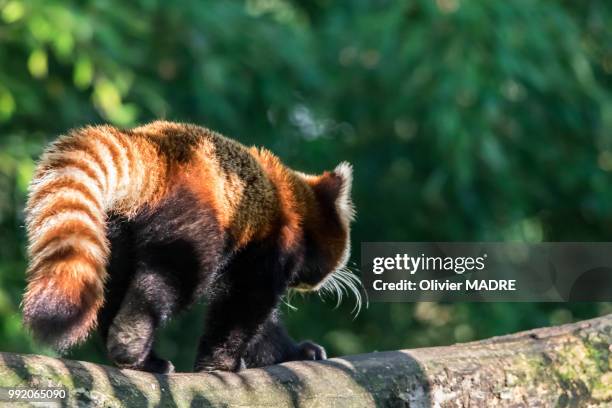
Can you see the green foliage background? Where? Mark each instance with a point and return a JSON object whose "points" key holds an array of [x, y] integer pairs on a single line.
{"points": [[465, 120]]}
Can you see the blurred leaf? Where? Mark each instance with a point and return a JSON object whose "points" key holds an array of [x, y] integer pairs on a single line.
{"points": [[37, 63], [7, 104], [12, 11], [83, 72]]}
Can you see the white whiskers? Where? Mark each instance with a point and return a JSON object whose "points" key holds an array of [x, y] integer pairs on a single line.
{"points": [[286, 299], [342, 283], [339, 284]]}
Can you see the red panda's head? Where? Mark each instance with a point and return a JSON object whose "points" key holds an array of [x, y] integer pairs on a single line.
{"points": [[326, 228]]}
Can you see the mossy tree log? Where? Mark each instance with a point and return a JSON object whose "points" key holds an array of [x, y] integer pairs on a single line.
{"points": [[568, 365]]}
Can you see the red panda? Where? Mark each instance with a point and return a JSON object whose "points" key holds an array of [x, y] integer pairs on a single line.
{"points": [[128, 227]]}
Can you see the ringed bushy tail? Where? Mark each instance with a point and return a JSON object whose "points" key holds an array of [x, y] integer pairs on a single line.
{"points": [[81, 178]]}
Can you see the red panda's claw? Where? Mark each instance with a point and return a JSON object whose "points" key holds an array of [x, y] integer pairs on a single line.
{"points": [[311, 351]]}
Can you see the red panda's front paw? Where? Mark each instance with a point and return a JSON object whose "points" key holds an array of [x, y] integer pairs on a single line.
{"points": [[308, 350]]}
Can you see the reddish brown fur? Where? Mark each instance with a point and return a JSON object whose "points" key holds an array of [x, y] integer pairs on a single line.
{"points": [[251, 192]]}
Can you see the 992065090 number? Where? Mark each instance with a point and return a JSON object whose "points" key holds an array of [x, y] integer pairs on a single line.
{"points": [[30, 394]]}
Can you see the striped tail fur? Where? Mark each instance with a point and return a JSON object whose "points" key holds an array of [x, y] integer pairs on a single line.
{"points": [[80, 179]]}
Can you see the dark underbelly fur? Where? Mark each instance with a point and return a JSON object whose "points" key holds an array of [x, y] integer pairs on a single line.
{"points": [[165, 260]]}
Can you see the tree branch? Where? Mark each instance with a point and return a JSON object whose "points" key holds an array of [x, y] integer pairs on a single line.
{"points": [[568, 365]]}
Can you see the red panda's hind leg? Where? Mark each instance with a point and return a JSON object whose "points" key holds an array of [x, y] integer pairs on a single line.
{"points": [[129, 340]]}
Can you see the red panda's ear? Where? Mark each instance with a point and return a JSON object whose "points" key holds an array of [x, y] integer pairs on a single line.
{"points": [[344, 203], [335, 188]]}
